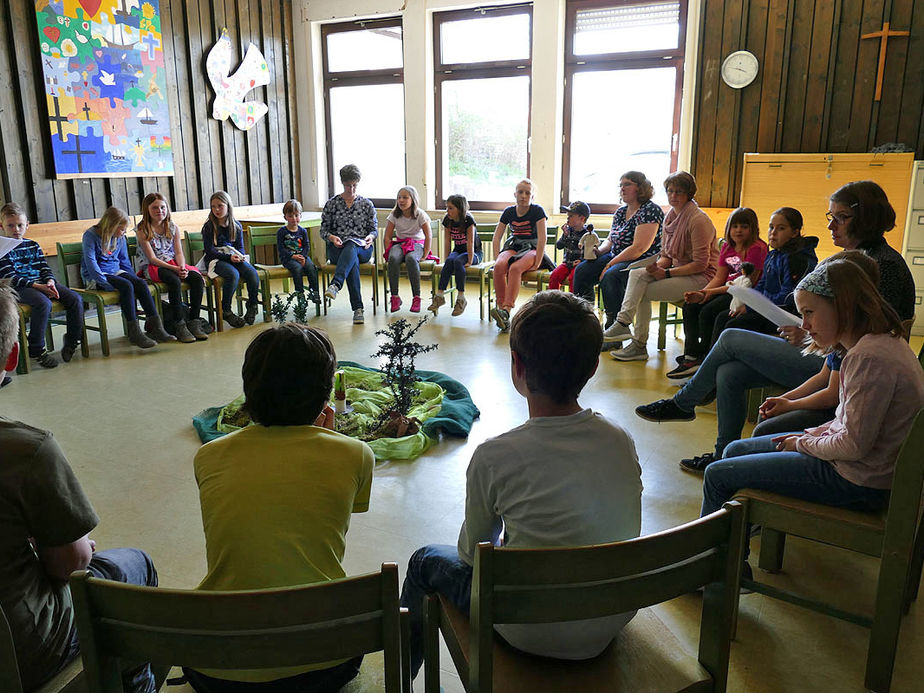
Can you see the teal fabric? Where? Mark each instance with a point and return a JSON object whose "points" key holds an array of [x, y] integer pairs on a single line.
{"points": [[455, 417]]}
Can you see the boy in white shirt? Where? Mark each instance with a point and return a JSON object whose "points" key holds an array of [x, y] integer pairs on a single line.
{"points": [[566, 477]]}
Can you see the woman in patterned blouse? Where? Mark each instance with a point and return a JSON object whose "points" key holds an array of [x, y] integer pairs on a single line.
{"points": [[349, 227]]}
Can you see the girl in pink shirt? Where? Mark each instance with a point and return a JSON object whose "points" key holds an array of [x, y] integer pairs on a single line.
{"points": [[847, 462]]}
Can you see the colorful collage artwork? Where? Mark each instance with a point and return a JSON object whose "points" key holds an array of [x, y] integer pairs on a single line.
{"points": [[105, 86]]}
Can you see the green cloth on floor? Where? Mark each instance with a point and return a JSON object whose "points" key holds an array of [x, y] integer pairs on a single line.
{"points": [[447, 406]]}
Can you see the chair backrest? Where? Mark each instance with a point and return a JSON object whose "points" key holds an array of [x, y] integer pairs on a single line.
{"points": [[70, 255], [263, 244], [258, 629], [486, 234], [553, 585], [9, 668], [907, 489]]}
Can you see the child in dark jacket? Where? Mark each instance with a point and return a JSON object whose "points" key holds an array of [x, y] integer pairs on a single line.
{"points": [[295, 250], [26, 268], [570, 242]]}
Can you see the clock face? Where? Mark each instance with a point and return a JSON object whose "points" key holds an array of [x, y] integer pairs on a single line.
{"points": [[739, 69]]}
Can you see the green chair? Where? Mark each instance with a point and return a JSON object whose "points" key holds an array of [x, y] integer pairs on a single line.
{"points": [[893, 535], [427, 267], [68, 680], [25, 313], [551, 585], [266, 260], [252, 629], [479, 271], [540, 276], [70, 256], [195, 247], [326, 269], [666, 317]]}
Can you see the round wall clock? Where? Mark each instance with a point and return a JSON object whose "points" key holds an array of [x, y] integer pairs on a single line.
{"points": [[739, 69]]}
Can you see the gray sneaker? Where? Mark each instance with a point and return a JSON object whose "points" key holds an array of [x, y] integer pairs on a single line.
{"points": [[617, 332], [358, 317], [633, 352], [331, 292]]}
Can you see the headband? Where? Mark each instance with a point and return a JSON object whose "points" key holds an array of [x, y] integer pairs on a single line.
{"points": [[817, 282]]}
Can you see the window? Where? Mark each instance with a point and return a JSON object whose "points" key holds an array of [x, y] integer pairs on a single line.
{"points": [[482, 71], [624, 76], [363, 66]]}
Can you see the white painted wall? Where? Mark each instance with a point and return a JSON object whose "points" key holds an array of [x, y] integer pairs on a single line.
{"points": [[547, 90]]}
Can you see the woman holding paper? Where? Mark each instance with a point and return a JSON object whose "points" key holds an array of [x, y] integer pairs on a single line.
{"points": [[688, 259], [742, 360]]}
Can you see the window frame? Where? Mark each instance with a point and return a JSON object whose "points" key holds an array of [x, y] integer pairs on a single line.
{"points": [[448, 72], [357, 78], [608, 62]]}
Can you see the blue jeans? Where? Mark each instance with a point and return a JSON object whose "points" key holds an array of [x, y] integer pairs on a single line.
{"points": [[41, 311], [587, 276], [231, 274], [298, 271], [613, 287], [755, 463], [433, 569], [455, 267], [131, 288], [737, 362], [134, 567], [348, 259]]}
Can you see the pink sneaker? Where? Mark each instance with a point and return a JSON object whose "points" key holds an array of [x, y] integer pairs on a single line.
{"points": [[395, 303], [415, 305]]}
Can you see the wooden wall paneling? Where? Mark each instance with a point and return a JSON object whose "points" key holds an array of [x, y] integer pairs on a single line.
{"points": [[756, 23], [175, 61], [886, 120], [271, 47], [223, 17], [908, 100], [260, 189], [797, 69], [727, 111], [197, 95], [858, 140], [214, 159], [820, 56], [12, 152], [31, 112], [771, 77], [845, 74], [242, 139], [291, 169], [707, 99]]}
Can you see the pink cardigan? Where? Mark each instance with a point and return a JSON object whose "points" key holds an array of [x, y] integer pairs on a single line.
{"points": [[689, 237], [881, 391]]}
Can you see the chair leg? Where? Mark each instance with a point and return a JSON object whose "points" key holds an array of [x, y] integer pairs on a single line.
{"points": [[772, 545], [23, 365], [915, 567], [662, 325], [883, 638], [431, 644], [103, 329]]}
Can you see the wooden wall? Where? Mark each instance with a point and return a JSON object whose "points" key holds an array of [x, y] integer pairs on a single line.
{"points": [[256, 167], [816, 85]]}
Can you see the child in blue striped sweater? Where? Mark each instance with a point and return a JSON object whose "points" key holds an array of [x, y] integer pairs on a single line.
{"points": [[30, 275]]}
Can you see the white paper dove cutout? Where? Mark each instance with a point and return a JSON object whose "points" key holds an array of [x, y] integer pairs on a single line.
{"points": [[230, 89]]}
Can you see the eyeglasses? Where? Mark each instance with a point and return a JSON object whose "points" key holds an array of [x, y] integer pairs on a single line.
{"points": [[839, 219], [674, 191], [627, 185]]}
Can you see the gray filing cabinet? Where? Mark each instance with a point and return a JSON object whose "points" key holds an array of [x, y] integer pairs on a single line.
{"points": [[914, 243]]}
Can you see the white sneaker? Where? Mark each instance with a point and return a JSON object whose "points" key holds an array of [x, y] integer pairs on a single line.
{"points": [[617, 332], [331, 292], [633, 352], [359, 318]]}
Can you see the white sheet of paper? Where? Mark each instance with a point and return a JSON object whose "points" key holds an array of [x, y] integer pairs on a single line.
{"points": [[763, 305], [644, 262], [7, 244]]}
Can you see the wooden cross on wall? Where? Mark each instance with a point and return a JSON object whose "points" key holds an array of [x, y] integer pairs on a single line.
{"points": [[884, 34]]}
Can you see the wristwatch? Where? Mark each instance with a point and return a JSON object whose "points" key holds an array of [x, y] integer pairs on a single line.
{"points": [[667, 273]]}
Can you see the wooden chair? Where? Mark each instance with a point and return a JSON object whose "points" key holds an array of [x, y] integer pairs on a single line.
{"points": [[480, 271], [552, 585], [253, 629], [891, 535], [668, 317], [25, 313], [326, 269], [70, 256], [266, 260], [540, 276], [68, 680]]}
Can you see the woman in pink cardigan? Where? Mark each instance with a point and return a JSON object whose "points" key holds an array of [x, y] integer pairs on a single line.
{"points": [[688, 259], [847, 462]]}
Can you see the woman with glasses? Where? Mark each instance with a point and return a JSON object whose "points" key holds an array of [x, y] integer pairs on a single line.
{"points": [[859, 214], [635, 233]]}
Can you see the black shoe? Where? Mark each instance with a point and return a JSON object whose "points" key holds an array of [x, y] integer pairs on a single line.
{"points": [[68, 351], [664, 410], [314, 297], [46, 360], [610, 346], [234, 319], [685, 369], [251, 314], [6, 381], [610, 319], [698, 464]]}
